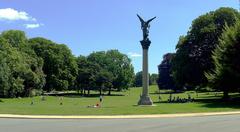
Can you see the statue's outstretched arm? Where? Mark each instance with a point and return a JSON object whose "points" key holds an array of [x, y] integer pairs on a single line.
{"points": [[150, 20], [142, 21]]}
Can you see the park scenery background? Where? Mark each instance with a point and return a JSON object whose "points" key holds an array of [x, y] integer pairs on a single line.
{"points": [[40, 76]]}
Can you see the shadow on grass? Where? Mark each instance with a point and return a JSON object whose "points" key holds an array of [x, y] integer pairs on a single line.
{"points": [[1, 101], [213, 102], [212, 95], [168, 92], [220, 103], [76, 95]]}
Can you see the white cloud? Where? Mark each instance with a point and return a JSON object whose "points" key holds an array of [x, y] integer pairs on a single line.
{"points": [[131, 54], [13, 15], [31, 26]]}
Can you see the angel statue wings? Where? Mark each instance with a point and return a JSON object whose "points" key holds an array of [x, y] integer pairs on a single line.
{"points": [[145, 27]]}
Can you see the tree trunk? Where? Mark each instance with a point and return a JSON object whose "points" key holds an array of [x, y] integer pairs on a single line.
{"points": [[100, 90], [81, 92], [225, 95], [109, 91], [28, 91], [88, 91], [84, 91]]}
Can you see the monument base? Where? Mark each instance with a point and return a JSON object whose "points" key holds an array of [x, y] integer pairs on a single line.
{"points": [[145, 100]]}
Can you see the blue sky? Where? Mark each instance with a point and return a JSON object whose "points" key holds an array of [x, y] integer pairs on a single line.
{"points": [[96, 25]]}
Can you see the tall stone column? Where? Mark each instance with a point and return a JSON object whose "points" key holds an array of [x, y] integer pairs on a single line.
{"points": [[144, 98]]}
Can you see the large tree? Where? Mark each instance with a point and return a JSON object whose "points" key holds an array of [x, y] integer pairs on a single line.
{"points": [[226, 74], [118, 64], [193, 51], [87, 71], [11, 66], [25, 67], [59, 66], [121, 68], [165, 79], [103, 80]]}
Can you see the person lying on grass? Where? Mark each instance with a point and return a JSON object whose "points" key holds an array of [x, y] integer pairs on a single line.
{"points": [[94, 106]]}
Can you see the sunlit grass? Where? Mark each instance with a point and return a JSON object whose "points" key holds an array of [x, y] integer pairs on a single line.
{"points": [[121, 103]]}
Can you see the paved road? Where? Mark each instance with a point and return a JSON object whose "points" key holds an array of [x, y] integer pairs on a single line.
{"points": [[225, 123]]}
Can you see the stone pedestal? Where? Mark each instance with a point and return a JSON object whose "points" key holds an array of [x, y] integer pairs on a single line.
{"points": [[145, 99]]}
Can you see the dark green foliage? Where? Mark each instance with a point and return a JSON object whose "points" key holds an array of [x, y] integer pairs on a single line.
{"points": [[15, 38], [226, 74], [59, 66], [193, 51], [10, 70], [121, 68], [118, 64], [138, 79], [102, 70], [86, 74], [165, 79], [40, 64], [103, 79], [153, 79], [21, 70]]}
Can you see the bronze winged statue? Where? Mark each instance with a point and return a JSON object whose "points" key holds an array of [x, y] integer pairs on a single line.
{"points": [[145, 27]]}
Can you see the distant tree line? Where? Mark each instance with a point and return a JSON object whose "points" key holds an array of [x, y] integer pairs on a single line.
{"points": [[43, 65], [207, 55], [138, 79]]}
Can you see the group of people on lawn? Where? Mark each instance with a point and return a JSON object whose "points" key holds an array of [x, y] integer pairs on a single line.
{"points": [[180, 100]]}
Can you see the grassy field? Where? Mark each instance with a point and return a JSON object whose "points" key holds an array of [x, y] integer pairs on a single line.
{"points": [[119, 103]]}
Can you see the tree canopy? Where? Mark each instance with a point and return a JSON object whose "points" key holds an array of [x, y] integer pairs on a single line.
{"points": [[165, 79], [193, 51], [59, 65], [226, 73], [21, 70], [110, 70], [41, 64]]}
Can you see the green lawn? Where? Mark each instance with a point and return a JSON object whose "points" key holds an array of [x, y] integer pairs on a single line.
{"points": [[120, 103]]}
